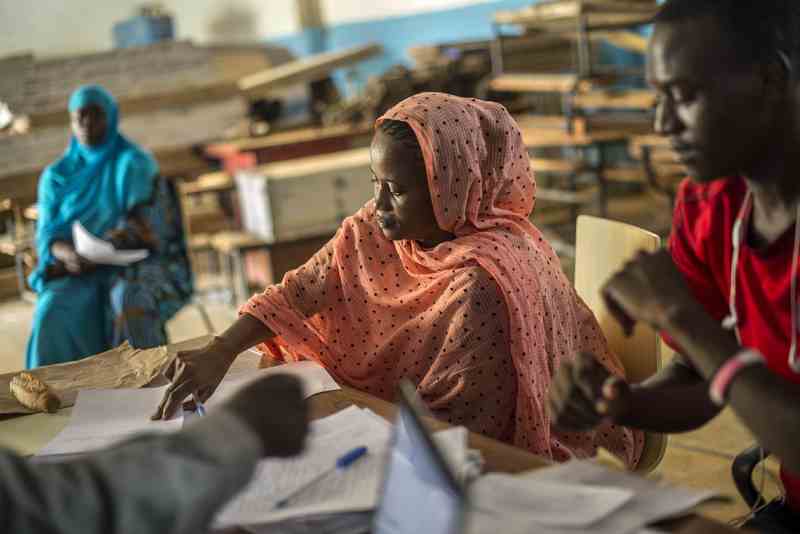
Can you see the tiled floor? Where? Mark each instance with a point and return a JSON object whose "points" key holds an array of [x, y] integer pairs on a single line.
{"points": [[700, 459]]}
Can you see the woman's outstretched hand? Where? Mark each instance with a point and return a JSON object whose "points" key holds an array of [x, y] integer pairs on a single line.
{"points": [[197, 372]]}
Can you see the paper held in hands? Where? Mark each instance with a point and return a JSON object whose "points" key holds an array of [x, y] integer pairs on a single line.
{"points": [[102, 252]]}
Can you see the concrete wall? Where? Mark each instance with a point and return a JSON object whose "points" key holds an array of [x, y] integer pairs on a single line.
{"points": [[59, 27]]}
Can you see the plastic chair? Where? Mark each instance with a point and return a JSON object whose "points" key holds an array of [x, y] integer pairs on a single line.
{"points": [[602, 248]]}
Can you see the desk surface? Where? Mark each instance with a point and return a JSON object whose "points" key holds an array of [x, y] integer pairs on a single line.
{"points": [[30, 432]]}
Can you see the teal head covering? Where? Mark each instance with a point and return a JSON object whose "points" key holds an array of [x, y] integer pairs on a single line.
{"points": [[96, 185]]}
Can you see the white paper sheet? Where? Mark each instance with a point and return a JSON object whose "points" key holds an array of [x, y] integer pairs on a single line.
{"points": [[552, 503], [102, 252], [651, 502], [313, 377], [104, 416], [354, 489]]}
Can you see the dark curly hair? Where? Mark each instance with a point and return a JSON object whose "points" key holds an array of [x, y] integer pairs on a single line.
{"points": [[762, 30]]}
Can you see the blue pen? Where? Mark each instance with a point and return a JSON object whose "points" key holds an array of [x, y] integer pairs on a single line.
{"points": [[342, 463], [199, 409]]}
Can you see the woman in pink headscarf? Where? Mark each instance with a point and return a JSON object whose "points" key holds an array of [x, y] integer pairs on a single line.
{"points": [[441, 279]]}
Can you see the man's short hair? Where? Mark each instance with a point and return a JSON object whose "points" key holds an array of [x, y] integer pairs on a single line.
{"points": [[762, 30]]}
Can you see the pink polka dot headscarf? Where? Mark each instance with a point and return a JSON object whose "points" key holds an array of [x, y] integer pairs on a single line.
{"points": [[480, 323]]}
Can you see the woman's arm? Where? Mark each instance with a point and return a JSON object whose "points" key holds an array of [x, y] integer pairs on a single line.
{"points": [[199, 372]]}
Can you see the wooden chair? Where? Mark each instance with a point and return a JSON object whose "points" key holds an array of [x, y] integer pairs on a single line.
{"points": [[602, 248]]}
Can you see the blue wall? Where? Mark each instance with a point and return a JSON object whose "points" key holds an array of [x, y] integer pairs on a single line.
{"points": [[397, 34]]}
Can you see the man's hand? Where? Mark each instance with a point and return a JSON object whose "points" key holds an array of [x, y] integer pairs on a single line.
{"points": [[275, 408], [584, 393], [194, 372], [650, 289]]}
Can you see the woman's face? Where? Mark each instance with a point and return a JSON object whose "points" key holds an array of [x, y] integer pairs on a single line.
{"points": [[402, 198], [89, 125]]}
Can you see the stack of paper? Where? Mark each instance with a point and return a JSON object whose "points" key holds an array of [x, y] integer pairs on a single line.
{"points": [[352, 490], [579, 496], [312, 376], [340, 501]]}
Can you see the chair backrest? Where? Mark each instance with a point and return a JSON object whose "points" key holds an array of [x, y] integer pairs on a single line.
{"points": [[602, 248]]}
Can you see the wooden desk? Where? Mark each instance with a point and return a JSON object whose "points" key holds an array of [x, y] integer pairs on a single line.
{"points": [[499, 457], [290, 144], [28, 433]]}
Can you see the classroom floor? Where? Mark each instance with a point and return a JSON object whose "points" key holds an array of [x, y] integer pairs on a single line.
{"points": [[699, 459]]}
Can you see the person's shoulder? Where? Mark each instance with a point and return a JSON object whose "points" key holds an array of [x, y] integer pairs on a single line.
{"points": [[704, 216], [136, 158], [704, 197], [709, 206], [477, 281]]}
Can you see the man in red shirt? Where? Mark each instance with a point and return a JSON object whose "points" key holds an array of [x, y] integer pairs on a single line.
{"points": [[727, 292]]}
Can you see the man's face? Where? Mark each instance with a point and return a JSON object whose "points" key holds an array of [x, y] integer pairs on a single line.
{"points": [[716, 109]]}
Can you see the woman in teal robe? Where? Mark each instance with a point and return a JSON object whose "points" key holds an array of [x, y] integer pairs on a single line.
{"points": [[113, 188]]}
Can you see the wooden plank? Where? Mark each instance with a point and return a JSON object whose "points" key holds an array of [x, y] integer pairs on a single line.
{"points": [[143, 79], [555, 166], [561, 196], [562, 9], [651, 140], [635, 99], [8, 284], [624, 174], [180, 161], [213, 182], [146, 103], [226, 242], [594, 22], [626, 40], [305, 70], [277, 139], [531, 83], [328, 163], [542, 138]]}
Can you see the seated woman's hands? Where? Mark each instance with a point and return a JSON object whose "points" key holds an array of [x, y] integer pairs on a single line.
{"points": [[282, 431], [584, 393], [73, 263], [196, 372]]}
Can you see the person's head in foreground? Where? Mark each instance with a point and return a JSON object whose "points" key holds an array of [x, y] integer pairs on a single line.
{"points": [[725, 75]]}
